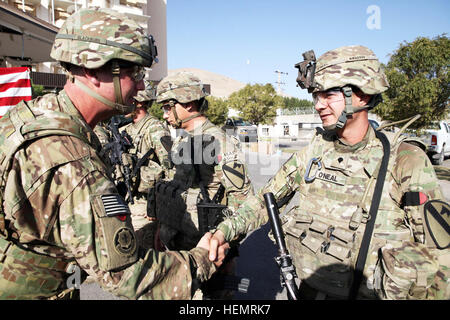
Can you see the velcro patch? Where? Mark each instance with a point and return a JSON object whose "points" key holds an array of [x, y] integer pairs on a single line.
{"points": [[332, 177], [414, 198], [235, 173], [114, 205], [437, 218]]}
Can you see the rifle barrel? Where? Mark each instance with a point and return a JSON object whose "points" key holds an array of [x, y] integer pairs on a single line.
{"points": [[274, 218], [284, 260]]}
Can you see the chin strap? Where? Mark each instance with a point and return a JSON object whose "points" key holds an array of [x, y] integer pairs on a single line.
{"points": [[178, 121], [195, 115], [350, 109], [115, 70], [118, 105]]}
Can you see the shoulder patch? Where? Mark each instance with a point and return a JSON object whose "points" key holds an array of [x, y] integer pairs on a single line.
{"points": [[234, 171], [125, 241], [437, 219]]}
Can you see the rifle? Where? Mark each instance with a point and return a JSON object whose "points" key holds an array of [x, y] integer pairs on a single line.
{"points": [[117, 147], [284, 260], [210, 212]]}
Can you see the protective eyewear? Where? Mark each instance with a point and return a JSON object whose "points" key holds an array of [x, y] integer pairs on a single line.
{"points": [[138, 73], [168, 106], [328, 97]]}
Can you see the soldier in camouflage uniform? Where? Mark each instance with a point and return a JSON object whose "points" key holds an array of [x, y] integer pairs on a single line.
{"points": [[203, 157], [150, 156], [102, 132], [335, 177], [60, 211]]}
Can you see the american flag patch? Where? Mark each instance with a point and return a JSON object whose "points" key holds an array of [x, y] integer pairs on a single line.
{"points": [[114, 205]]}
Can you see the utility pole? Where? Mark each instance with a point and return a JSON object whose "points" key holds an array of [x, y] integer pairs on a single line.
{"points": [[279, 83]]}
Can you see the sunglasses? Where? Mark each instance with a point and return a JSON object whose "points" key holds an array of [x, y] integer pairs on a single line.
{"points": [[137, 72]]}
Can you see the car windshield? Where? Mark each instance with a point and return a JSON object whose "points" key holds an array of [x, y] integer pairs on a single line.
{"points": [[240, 122], [435, 125]]}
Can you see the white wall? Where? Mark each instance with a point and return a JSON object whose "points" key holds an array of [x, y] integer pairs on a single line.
{"points": [[157, 27]]}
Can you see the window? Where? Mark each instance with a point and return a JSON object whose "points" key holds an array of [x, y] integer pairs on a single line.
{"points": [[240, 122]]}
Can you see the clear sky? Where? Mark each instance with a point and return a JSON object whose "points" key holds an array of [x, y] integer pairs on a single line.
{"points": [[248, 40]]}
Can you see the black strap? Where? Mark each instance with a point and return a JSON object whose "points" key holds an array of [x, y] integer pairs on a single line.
{"points": [[197, 173], [142, 160], [364, 249], [285, 200], [220, 192]]}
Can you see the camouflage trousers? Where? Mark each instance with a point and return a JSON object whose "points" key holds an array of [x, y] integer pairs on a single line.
{"points": [[143, 227]]}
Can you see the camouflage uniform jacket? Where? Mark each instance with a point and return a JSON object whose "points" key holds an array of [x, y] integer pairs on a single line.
{"points": [[220, 163], [102, 133], [148, 134], [58, 206], [318, 233]]}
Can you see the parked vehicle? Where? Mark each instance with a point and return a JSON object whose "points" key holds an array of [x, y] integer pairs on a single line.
{"points": [[437, 139], [241, 129]]}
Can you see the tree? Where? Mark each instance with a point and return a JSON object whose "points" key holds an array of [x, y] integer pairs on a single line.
{"points": [[292, 103], [37, 90], [257, 103], [156, 110], [217, 110], [419, 79]]}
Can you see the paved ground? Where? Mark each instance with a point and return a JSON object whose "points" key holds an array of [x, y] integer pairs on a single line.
{"points": [[257, 252]]}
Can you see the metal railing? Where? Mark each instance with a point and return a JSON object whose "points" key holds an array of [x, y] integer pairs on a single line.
{"points": [[290, 112]]}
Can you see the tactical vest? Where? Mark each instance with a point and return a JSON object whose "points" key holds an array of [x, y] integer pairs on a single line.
{"points": [[23, 126], [150, 170], [324, 237], [176, 200]]}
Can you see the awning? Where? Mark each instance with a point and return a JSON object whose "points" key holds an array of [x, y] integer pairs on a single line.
{"points": [[24, 39]]}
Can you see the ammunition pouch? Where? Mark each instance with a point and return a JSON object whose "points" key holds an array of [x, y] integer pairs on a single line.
{"points": [[405, 272], [170, 205], [181, 214], [210, 215], [174, 208]]}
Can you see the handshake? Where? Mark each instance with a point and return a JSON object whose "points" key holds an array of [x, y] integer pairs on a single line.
{"points": [[216, 245]]}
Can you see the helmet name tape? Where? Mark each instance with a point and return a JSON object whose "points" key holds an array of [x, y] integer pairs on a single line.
{"points": [[349, 59]]}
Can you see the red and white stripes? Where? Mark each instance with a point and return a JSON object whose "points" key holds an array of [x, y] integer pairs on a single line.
{"points": [[15, 86]]}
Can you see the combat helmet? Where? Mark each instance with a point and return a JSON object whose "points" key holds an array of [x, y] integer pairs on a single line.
{"points": [[343, 68], [92, 37], [149, 94], [182, 87]]}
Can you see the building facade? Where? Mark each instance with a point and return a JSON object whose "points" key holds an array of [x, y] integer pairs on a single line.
{"points": [[28, 28]]}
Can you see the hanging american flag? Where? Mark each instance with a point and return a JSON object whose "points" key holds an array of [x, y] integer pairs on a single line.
{"points": [[15, 86]]}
